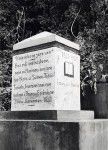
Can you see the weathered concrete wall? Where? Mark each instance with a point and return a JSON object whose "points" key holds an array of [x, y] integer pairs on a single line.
{"points": [[94, 135], [51, 135], [34, 135], [101, 101], [97, 102]]}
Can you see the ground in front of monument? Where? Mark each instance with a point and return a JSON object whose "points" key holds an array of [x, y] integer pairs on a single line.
{"points": [[45, 107]]}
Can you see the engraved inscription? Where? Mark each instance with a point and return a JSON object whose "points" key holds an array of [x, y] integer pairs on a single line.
{"points": [[32, 78]]}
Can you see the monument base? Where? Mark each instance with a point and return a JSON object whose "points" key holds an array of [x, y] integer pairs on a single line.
{"points": [[63, 115]]}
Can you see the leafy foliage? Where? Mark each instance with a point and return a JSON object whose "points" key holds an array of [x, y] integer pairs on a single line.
{"points": [[5, 79], [94, 45]]}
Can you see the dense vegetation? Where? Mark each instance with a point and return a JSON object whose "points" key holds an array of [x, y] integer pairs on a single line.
{"points": [[82, 21]]}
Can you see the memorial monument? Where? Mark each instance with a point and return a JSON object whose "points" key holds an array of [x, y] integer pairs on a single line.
{"points": [[45, 75], [46, 79]]}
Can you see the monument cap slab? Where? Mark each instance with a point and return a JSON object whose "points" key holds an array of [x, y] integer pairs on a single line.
{"points": [[42, 38]]}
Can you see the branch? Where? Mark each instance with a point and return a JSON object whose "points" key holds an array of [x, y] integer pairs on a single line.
{"points": [[74, 22]]}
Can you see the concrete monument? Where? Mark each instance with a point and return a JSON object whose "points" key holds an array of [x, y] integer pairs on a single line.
{"points": [[45, 74]]}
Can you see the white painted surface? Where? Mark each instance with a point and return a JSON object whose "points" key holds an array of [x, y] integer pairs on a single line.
{"points": [[42, 38], [67, 86]]}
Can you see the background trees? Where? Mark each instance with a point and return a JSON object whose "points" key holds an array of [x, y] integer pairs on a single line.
{"points": [[84, 22]]}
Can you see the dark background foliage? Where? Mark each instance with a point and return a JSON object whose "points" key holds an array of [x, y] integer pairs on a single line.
{"points": [[82, 21]]}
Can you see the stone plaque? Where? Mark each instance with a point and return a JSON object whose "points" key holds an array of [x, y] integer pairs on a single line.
{"points": [[69, 69]]}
